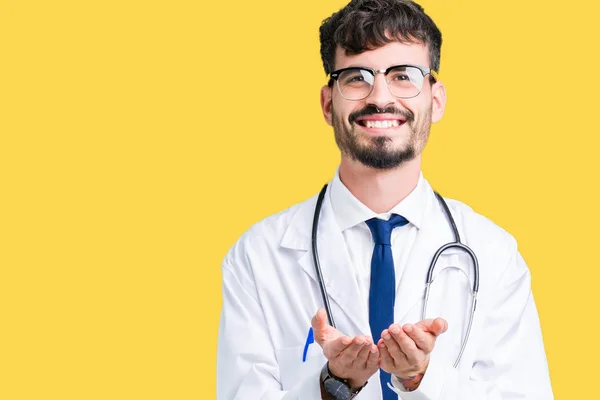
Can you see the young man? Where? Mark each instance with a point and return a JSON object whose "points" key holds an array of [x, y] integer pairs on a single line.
{"points": [[379, 226]]}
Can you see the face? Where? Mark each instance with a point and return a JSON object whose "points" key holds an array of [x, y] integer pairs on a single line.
{"points": [[383, 131]]}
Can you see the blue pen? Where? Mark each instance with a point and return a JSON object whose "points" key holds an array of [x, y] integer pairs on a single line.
{"points": [[309, 340]]}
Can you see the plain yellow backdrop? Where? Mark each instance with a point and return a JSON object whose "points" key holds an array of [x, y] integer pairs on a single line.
{"points": [[139, 139]]}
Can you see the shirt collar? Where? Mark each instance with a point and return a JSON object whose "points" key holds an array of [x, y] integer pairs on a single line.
{"points": [[349, 211]]}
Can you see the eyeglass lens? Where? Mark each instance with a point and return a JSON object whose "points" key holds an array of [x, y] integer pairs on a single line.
{"points": [[403, 82]]}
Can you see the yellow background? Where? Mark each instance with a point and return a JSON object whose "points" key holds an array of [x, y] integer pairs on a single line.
{"points": [[139, 139]]}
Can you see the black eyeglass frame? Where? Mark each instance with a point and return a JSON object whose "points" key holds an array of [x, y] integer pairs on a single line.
{"points": [[333, 76]]}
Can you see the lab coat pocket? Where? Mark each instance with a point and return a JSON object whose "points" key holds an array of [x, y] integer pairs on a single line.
{"points": [[291, 367]]}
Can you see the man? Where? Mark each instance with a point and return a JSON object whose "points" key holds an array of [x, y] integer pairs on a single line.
{"points": [[379, 226]]}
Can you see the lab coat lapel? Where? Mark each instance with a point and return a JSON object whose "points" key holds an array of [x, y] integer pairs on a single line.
{"points": [[433, 233], [338, 273]]}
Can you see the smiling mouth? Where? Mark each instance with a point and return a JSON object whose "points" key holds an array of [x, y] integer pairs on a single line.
{"points": [[380, 124]]}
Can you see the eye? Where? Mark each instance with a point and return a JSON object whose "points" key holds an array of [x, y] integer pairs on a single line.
{"points": [[400, 77], [355, 78]]}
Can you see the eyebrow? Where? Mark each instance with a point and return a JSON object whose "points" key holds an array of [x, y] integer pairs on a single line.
{"points": [[358, 66], [365, 67]]}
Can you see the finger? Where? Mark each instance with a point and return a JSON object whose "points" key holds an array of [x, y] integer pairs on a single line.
{"points": [[363, 355], [332, 348], [406, 344], [350, 354], [319, 321], [373, 357], [434, 326], [386, 361], [425, 325], [392, 345], [319, 325], [439, 326], [423, 340]]}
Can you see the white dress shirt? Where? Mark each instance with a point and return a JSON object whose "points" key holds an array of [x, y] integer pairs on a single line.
{"points": [[351, 215]]}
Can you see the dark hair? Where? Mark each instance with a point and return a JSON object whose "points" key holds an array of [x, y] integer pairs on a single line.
{"points": [[368, 24]]}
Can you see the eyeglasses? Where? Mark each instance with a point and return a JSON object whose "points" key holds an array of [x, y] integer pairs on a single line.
{"points": [[404, 81]]}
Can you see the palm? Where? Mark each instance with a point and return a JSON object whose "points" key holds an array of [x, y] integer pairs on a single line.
{"points": [[354, 359]]}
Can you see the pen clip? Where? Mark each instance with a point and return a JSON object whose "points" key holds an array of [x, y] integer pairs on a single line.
{"points": [[310, 339]]}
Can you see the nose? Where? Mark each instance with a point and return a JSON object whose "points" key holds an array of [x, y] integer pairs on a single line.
{"points": [[380, 95]]}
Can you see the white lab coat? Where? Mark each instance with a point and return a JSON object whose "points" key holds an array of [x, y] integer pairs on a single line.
{"points": [[270, 294]]}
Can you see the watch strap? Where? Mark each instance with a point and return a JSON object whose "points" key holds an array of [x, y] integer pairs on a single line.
{"points": [[326, 374]]}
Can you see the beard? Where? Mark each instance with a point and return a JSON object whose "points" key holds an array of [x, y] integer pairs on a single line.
{"points": [[378, 151]]}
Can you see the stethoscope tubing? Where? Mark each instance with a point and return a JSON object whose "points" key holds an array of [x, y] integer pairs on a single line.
{"points": [[315, 253]]}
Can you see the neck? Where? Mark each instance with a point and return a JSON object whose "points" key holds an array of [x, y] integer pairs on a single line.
{"points": [[380, 190]]}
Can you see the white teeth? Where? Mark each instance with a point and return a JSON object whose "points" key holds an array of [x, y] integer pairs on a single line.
{"points": [[382, 124]]}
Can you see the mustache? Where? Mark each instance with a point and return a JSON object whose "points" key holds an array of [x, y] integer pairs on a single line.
{"points": [[409, 116]]}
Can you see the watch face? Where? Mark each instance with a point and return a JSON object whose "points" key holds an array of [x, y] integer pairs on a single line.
{"points": [[337, 389]]}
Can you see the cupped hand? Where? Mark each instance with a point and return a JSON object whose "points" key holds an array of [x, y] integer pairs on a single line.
{"points": [[353, 359], [405, 350]]}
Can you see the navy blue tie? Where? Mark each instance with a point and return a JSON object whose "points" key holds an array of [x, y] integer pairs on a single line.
{"points": [[382, 292]]}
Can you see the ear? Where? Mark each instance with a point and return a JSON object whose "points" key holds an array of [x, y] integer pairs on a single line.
{"points": [[438, 94], [326, 103]]}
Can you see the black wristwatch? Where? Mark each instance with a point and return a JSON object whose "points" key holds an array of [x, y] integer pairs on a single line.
{"points": [[337, 388]]}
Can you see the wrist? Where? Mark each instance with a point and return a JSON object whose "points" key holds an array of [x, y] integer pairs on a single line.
{"points": [[353, 383], [334, 387], [412, 382], [412, 379], [356, 384]]}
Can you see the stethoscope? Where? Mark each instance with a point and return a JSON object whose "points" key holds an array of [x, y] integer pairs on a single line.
{"points": [[456, 244]]}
